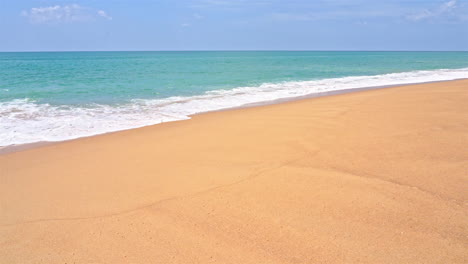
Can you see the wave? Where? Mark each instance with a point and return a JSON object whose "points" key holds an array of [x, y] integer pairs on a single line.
{"points": [[26, 121]]}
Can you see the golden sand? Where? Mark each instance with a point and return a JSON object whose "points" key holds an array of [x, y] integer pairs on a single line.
{"points": [[378, 176]]}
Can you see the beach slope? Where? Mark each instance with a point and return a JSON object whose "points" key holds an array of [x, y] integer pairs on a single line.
{"points": [[377, 176]]}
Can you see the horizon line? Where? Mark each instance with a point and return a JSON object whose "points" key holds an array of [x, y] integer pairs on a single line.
{"points": [[232, 50]]}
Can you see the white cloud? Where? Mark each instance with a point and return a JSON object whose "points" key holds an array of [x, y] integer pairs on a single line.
{"points": [[443, 9], [185, 25], [293, 17], [54, 13], [103, 14], [217, 2], [65, 13], [420, 15], [450, 4], [198, 16], [231, 3]]}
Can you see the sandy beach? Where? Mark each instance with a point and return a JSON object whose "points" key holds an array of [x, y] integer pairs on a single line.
{"points": [[376, 176]]}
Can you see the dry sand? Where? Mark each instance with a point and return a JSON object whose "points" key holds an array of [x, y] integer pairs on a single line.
{"points": [[376, 176]]}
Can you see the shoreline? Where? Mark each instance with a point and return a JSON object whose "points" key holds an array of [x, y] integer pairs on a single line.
{"points": [[377, 176], [21, 147]]}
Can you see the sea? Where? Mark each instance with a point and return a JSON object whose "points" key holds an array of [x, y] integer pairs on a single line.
{"points": [[55, 96]]}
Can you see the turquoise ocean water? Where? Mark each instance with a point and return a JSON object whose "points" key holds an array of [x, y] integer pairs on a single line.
{"points": [[50, 96]]}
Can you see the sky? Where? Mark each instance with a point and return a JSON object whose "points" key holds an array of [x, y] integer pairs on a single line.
{"points": [[86, 25]]}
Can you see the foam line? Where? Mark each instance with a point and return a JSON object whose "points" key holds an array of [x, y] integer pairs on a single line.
{"points": [[26, 121]]}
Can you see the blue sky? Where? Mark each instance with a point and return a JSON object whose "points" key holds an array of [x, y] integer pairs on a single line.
{"points": [[54, 25]]}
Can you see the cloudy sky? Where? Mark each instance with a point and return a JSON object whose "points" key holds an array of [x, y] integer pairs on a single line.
{"points": [[54, 25]]}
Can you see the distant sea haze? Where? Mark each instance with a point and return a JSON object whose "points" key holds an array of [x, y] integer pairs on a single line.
{"points": [[63, 95]]}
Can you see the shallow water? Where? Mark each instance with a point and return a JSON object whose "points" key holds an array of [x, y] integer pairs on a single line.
{"points": [[52, 96]]}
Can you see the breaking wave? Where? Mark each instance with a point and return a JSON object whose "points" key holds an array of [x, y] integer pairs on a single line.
{"points": [[26, 121]]}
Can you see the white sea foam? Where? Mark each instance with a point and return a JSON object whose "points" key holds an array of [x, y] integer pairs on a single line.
{"points": [[25, 121]]}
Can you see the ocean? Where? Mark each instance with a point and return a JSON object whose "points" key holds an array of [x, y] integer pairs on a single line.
{"points": [[54, 96]]}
